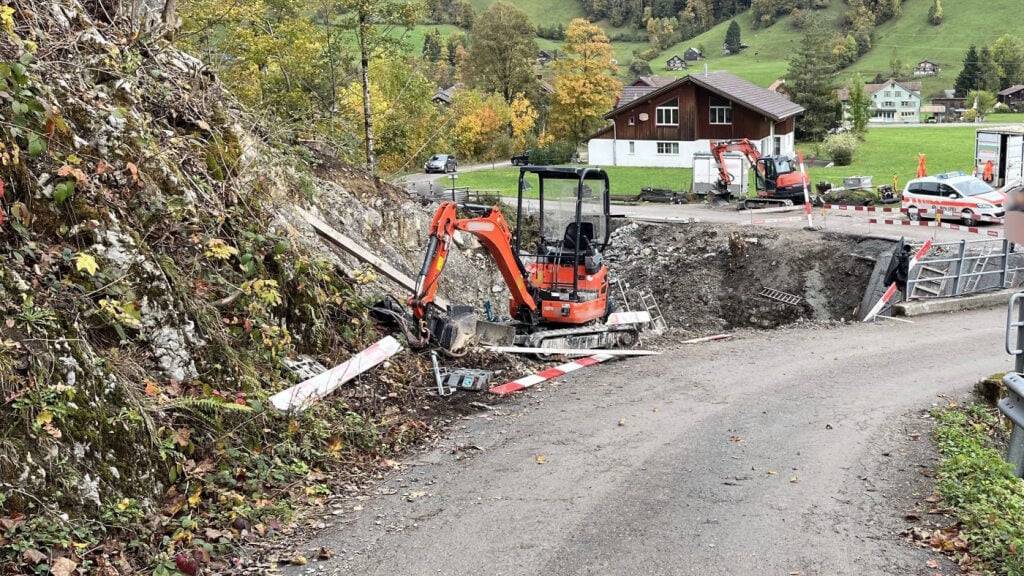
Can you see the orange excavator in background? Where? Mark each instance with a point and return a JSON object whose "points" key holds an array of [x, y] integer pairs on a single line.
{"points": [[559, 295], [777, 179]]}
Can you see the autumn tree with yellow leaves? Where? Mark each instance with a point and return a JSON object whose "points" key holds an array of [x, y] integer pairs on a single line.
{"points": [[585, 82]]}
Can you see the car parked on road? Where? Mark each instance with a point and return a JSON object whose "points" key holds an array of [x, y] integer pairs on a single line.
{"points": [[522, 159], [441, 164], [956, 196]]}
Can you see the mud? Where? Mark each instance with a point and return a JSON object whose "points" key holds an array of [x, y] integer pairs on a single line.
{"points": [[707, 278]]}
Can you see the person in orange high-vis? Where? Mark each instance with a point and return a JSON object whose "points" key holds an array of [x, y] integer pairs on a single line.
{"points": [[986, 174], [921, 170]]}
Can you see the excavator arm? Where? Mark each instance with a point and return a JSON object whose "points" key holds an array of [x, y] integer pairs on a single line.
{"points": [[744, 146], [493, 232]]}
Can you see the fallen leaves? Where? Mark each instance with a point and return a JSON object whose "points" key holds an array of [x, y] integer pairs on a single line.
{"points": [[86, 263], [63, 567], [32, 556], [72, 172], [540, 459]]}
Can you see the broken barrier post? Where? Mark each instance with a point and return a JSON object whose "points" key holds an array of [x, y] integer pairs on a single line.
{"points": [[1013, 407]]}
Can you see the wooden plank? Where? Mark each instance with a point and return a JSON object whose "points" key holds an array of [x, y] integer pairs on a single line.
{"points": [[349, 245], [302, 395], [707, 339], [570, 351]]}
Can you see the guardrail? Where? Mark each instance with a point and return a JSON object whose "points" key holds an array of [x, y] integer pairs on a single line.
{"points": [[970, 269], [1012, 405]]}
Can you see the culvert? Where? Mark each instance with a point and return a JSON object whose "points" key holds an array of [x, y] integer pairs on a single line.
{"points": [[709, 277]]}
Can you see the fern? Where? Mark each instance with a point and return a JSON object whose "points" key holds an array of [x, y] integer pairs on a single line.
{"points": [[210, 406]]}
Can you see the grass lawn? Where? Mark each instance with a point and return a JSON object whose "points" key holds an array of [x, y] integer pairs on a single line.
{"points": [[889, 151], [914, 39], [1014, 117], [624, 181], [885, 152]]}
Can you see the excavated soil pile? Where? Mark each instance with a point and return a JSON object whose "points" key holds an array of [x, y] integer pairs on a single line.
{"points": [[707, 278]]}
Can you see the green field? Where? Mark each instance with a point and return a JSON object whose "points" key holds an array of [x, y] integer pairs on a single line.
{"points": [[886, 152], [893, 151], [1016, 117], [763, 62], [542, 12], [914, 39], [624, 181]]}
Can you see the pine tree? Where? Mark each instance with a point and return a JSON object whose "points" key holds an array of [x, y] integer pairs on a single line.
{"points": [[989, 71], [935, 15], [968, 78], [432, 45], [732, 38], [812, 75]]}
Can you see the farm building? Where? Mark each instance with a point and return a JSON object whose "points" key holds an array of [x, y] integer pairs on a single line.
{"points": [[675, 63], [926, 68], [666, 125], [1013, 97], [693, 54], [892, 102]]}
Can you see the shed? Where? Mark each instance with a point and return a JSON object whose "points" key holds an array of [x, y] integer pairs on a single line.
{"points": [[692, 54], [1004, 147], [675, 63]]}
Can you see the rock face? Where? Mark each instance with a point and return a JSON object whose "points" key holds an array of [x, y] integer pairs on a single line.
{"points": [[155, 273]]}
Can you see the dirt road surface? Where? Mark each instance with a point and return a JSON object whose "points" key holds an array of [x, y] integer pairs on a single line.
{"points": [[793, 451]]}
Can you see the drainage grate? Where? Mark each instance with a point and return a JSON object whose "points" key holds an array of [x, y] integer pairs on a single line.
{"points": [[778, 296]]}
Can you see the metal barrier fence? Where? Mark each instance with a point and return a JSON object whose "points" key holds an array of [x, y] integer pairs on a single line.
{"points": [[966, 267], [1012, 405]]}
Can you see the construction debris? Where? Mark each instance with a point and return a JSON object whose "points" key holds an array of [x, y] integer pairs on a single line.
{"points": [[448, 380], [302, 395], [707, 339], [780, 296]]}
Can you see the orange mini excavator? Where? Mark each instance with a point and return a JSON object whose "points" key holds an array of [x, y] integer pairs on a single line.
{"points": [[558, 285], [777, 179]]}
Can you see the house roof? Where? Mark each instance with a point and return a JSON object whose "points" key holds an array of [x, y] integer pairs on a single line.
{"points": [[844, 93], [655, 81], [446, 95], [631, 93], [1012, 90], [927, 62], [772, 104]]}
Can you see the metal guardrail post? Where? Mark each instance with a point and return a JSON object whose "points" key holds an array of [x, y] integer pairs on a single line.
{"points": [[1004, 276], [958, 285], [1018, 324], [1013, 407]]}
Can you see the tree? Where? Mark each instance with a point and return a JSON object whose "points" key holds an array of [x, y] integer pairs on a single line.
{"points": [[522, 120], [860, 107], [661, 31], [585, 82], [432, 45], [935, 14], [967, 80], [733, 43], [373, 22], [640, 67], [1008, 52], [897, 69], [989, 71], [982, 101], [812, 76], [503, 51]]}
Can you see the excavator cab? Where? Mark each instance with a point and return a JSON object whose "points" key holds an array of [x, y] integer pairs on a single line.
{"points": [[562, 228]]}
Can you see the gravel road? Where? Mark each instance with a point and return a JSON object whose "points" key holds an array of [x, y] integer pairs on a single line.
{"points": [[794, 451]]}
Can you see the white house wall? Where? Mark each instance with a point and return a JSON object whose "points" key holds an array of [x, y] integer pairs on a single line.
{"points": [[608, 152]]}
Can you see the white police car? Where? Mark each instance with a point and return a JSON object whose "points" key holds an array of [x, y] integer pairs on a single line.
{"points": [[955, 195]]}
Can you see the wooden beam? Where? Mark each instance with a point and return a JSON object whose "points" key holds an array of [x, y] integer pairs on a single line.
{"points": [[327, 232], [299, 397]]}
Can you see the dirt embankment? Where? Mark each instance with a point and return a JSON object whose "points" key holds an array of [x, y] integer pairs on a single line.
{"points": [[708, 278]]}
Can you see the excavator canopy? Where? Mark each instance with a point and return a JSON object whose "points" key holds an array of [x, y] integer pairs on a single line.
{"points": [[563, 209]]}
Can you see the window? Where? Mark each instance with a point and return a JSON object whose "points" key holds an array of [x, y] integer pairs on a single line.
{"points": [[667, 114], [777, 146], [632, 120], [668, 148], [906, 103], [888, 94], [632, 147], [720, 110]]}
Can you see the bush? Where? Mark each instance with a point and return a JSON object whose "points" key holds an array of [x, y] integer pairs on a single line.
{"points": [[840, 148], [970, 115], [560, 152]]}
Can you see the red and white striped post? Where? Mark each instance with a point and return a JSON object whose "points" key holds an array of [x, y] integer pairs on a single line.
{"points": [[807, 194], [891, 291]]}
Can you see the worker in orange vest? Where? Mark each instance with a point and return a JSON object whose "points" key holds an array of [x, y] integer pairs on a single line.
{"points": [[986, 174], [921, 170]]}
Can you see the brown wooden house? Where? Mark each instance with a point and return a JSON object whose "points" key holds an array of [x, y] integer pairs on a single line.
{"points": [[666, 125], [1013, 97]]}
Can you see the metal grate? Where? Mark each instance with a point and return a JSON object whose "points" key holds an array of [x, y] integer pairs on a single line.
{"points": [[779, 296]]}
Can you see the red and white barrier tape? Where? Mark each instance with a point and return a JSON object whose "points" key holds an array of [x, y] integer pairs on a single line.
{"points": [[852, 208], [970, 229], [891, 291], [525, 382]]}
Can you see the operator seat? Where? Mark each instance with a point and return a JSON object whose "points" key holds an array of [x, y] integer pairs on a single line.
{"points": [[591, 257]]}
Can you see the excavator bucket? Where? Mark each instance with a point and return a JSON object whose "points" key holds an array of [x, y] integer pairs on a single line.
{"points": [[495, 333], [455, 330]]}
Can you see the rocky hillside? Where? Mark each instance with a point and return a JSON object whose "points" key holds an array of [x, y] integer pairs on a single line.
{"points": [[154, 277]]}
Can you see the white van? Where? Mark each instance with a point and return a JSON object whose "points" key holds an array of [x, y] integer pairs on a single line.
{"points": [[956, 195]]}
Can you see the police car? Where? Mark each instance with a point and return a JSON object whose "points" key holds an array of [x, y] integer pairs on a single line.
{"points": [[955, 195]]}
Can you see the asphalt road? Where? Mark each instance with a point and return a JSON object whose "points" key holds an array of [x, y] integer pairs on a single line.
{"points": [[786, 452], [421, 179]]}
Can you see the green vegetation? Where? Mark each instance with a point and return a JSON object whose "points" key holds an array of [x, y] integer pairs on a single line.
{"points": [[965, 22], [893, 151], [765, 60], [625, 181], [980, 486], [542, 11]]}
